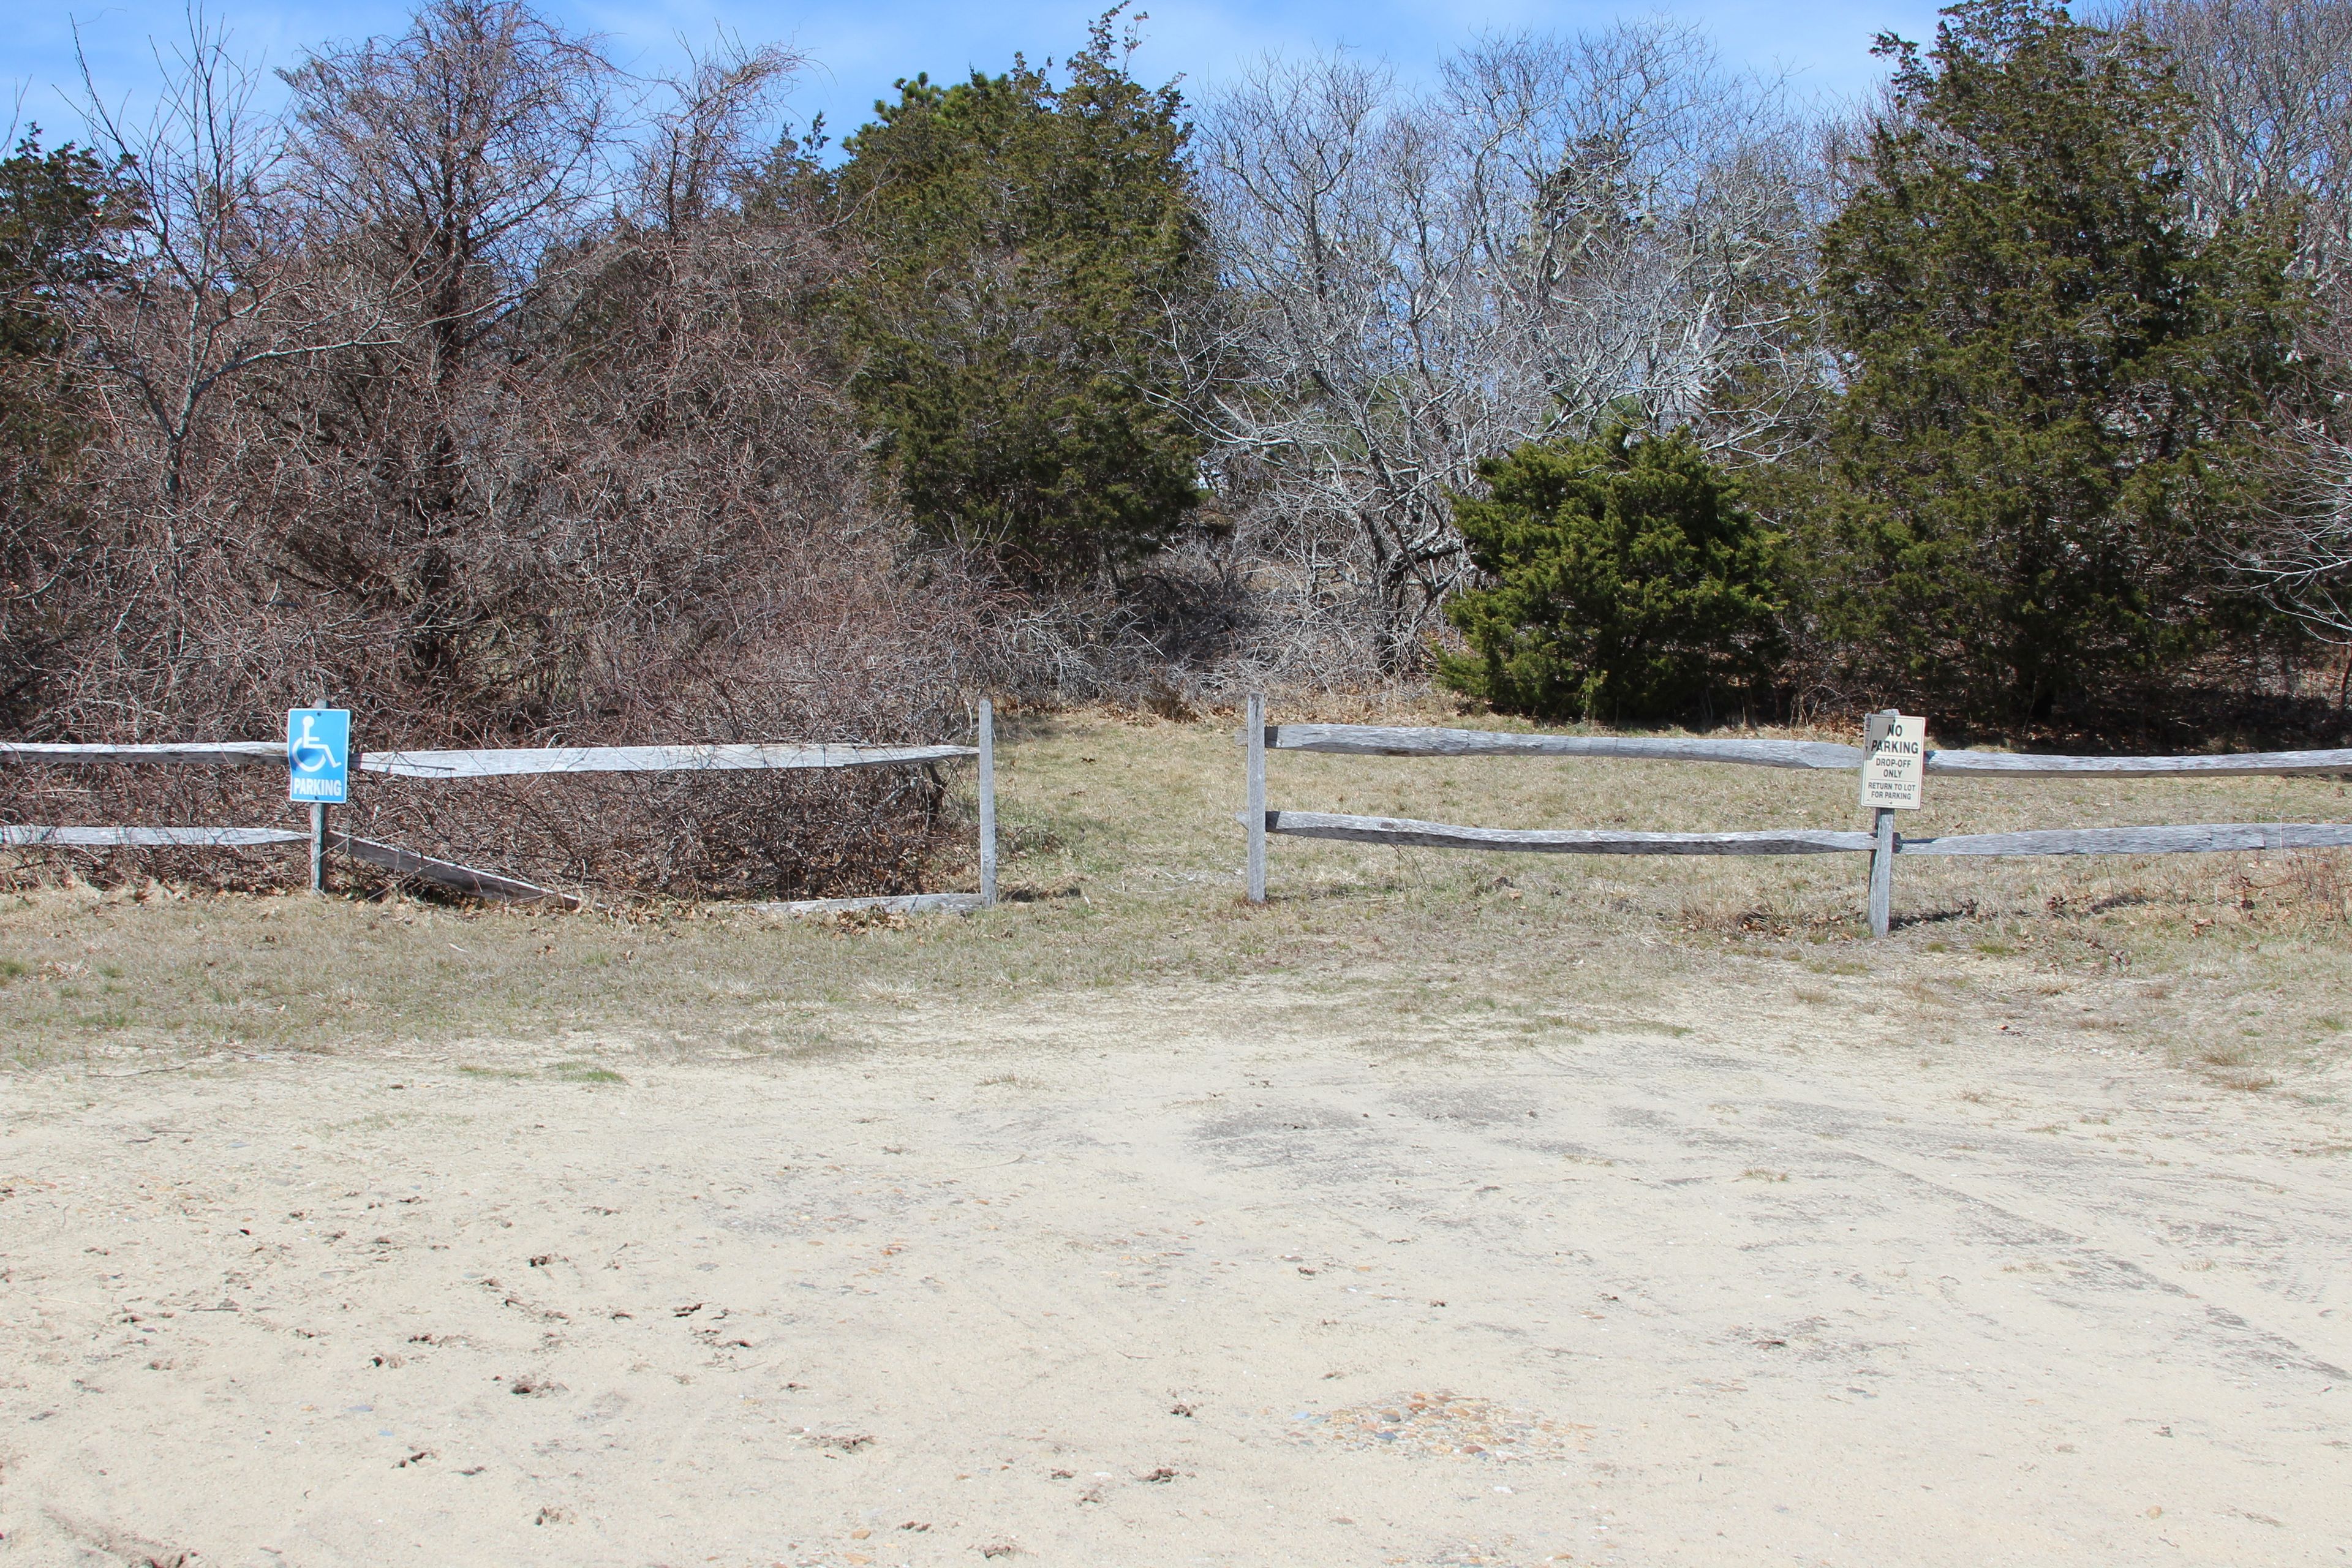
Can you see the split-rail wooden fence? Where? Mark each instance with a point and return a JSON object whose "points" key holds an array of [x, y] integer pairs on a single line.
{"points": [[505, 762], [1883, 846]]}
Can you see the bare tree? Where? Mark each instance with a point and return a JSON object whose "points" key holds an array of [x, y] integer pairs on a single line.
{"points": [[2301, 557], [212, 294], [702, 148], [1421, 281], [460, 169], [211, 291], [2268, 90], [451, 162]]}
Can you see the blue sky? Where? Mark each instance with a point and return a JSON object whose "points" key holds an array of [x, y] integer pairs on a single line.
{"points": [[858, 48]]}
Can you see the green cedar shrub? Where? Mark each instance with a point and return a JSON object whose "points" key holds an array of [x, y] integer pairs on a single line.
{"points": [[1628, 583]]}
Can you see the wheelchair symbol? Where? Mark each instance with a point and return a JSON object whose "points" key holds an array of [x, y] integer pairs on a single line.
{"points": [[309, 753]]}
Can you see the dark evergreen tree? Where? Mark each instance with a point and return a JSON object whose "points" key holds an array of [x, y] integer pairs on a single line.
{"points": [[2054, 374], [1026, 243]]}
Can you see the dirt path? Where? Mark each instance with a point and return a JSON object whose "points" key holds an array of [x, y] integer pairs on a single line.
{"points": [[1148, 1282]]}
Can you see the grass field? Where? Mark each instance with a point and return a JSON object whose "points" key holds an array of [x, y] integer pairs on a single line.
{"points": [[1122, 865]]}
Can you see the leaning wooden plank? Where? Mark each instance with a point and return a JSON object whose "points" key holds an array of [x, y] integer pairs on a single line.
{"points": [[2191, 838], [1382, 741], [2224, 766], [646, 759], [148, 838], [895, 904], [1563, 841], [446, 873], [214, 753]]}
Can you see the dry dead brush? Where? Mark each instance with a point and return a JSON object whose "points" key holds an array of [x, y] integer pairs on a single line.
{"points": [[496, 427]]}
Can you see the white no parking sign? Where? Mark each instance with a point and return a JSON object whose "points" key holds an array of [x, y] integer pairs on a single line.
{"points": [[1893, 762]]}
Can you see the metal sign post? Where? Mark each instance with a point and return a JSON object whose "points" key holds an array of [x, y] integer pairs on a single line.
{"points": [[318, 771]]}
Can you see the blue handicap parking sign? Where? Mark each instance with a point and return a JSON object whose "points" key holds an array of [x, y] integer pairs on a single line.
{"points": [[319, 755]]}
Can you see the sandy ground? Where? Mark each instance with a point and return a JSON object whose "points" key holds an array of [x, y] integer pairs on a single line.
{"points": [[1156, 1279]]}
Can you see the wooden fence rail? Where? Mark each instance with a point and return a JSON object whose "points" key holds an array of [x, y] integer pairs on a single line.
{"points": [[211, 753], [495, 762], [1882, 846], [445, 873], [509, 761], [1560, 841], [148, 838], [2187, 839], [2171, 840], [1382, 741], [515, 761]]}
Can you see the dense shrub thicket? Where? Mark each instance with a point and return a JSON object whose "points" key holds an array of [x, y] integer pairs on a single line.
{"points": [[467, 390], [457, 408]]}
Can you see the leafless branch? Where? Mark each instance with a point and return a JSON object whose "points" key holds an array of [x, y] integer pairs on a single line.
{"points": [[1419, 282]]}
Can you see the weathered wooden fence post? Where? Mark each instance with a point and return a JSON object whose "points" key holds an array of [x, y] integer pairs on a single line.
{"points": [[987, 804], [1875, 732], [1253, 738], [1881, 873]]}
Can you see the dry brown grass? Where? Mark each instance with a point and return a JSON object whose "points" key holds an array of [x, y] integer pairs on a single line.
{"points": [[1122, 869]]}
